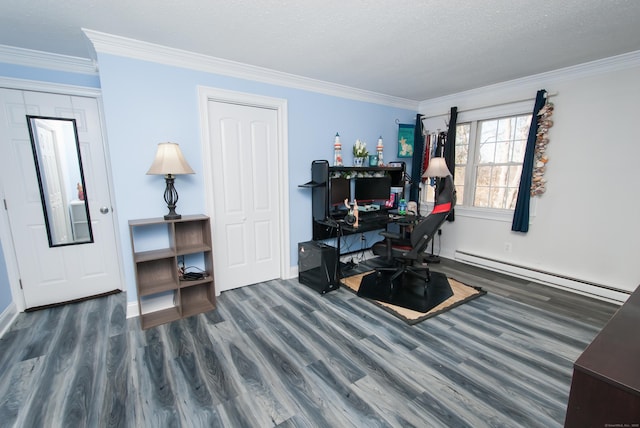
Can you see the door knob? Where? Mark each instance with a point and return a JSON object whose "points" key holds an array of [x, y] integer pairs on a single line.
{"points": [[104, 210]]}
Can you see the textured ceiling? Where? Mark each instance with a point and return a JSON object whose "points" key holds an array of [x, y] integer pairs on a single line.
{"points": [[416, 49]]}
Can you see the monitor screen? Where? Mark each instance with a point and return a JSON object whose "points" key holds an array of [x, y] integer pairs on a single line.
{"points": [[372, 189], [339, 190]]}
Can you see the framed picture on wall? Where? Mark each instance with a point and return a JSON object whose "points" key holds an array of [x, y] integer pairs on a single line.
{"points": [[405, 140]]}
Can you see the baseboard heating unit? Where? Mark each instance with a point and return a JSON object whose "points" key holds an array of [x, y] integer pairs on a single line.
{"points": [[580, 286]]}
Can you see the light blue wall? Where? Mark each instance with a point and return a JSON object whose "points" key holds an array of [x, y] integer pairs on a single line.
{"points": [[147, 103]]}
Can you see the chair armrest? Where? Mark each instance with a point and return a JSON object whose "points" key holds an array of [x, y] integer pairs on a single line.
{"points": [[391, 235]]}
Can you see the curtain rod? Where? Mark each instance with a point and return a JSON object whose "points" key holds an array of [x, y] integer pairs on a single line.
{"points": [[547, 95]]}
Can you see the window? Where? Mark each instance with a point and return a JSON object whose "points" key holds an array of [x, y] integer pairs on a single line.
{"points": [[488, 161]]}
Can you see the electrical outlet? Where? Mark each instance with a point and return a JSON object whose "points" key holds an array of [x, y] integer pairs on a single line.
{"points": [[507, 247]]}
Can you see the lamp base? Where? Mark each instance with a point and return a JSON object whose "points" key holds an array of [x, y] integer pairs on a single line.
{"points": [[171, 198]]}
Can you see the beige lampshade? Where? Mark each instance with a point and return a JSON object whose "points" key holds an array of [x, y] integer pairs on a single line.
{"points": [[169, 160], [437, 168]]}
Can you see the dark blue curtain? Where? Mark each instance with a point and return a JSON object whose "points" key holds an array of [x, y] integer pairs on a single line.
{"points": [[521, 214], [450, 149], [416, 162]]}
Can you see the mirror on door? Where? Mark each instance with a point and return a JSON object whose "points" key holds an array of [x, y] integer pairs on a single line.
{"points": [[56, 152]]}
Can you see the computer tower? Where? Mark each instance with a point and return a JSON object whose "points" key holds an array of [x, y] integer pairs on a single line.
{"points": [[318, 266]]}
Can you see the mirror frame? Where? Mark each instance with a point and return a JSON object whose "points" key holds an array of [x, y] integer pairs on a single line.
{"points": [[43, 199]]}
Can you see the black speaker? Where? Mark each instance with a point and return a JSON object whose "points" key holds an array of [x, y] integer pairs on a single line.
{"points": [[318, 266]]}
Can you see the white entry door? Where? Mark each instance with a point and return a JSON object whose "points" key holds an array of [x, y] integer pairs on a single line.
{"points": [[56, 274], [246, 218]]}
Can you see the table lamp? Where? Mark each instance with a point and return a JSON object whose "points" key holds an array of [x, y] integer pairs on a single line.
{"points": [[170, 162], [437, 169]]}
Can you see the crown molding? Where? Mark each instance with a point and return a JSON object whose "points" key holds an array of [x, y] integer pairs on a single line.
{"points": [[54, 88], [130, 48], [47, 60], [592, 68]]}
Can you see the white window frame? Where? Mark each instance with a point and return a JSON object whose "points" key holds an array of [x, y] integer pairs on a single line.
{"points": [[477, 115]]}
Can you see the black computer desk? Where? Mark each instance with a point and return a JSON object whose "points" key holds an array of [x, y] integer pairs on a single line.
{"points": [[368, 221]]}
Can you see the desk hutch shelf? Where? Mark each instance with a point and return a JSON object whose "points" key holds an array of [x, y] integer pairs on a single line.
{"points": [[321, 189], [158, 245]]}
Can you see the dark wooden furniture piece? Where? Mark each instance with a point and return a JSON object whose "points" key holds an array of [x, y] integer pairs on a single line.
{"points": [[605, 389], [158, 246]]}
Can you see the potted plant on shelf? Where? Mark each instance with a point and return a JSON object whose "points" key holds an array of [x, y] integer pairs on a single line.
{"points": [[360, 153]]}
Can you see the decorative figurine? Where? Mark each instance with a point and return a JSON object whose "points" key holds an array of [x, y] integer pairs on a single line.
{"points": [[337, 151], [379, 148], [80, 192], [353, 213]]}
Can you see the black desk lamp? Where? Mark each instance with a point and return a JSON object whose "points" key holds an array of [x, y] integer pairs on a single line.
{"points": [[170, 162]]}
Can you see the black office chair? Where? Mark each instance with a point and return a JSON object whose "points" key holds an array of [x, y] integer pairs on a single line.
{"points": [[404, 253]]}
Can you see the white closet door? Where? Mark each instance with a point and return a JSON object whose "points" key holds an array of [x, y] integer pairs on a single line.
{"points": [[246, 230]]}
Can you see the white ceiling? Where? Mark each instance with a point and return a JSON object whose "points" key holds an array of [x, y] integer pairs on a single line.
{"points": [[417, 49]]}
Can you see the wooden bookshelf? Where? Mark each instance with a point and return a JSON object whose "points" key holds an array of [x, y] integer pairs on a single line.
{"points": [[157, 245]]}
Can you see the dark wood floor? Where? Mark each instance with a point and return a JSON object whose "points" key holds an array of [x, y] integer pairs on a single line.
{"points": [[279, 354]]}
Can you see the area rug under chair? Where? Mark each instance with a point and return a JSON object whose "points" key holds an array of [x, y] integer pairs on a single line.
{"points": [[440, 285]]}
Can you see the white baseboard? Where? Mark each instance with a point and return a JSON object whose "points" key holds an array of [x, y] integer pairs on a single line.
{"points": [[293, 270], [550, 279], [132, 309], [7, 317]]}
